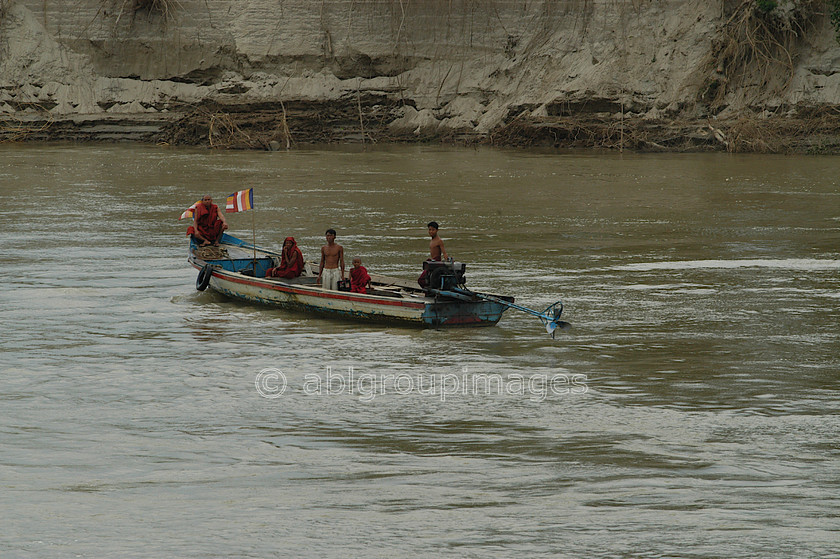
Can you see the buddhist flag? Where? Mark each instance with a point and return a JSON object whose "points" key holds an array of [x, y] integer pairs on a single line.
{"points": [[240, 201], [189, 211]]}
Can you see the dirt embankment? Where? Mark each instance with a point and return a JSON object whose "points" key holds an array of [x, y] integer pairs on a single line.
{"points": [[659, 75]]}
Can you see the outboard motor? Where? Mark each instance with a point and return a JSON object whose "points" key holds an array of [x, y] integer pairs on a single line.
{"points": [[445, 275]]}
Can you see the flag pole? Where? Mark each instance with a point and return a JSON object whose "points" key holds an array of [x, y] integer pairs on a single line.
{"points": [[254, 229]]}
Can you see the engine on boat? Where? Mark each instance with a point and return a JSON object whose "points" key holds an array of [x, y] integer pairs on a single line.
{"points": [[445, 275]]}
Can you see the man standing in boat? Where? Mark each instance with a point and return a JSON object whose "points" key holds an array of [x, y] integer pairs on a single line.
{"points": [[209, 222], [436, 246], [437, 252], [332, 260]]}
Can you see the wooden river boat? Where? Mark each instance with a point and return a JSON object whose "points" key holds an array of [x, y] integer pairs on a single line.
{"points": [[237, 269]]}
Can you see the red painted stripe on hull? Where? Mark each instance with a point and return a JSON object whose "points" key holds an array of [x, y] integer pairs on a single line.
{"points": [[327, 295]]}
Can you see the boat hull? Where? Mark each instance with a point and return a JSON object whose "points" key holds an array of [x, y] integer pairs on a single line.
{"points": [[412, 307]]}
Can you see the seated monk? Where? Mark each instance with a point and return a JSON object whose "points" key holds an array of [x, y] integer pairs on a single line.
{"points": [[359, 278], [291, 261], [209, 223]]}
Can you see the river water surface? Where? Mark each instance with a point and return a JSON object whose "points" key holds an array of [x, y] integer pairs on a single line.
{"points": [[692, 410]]}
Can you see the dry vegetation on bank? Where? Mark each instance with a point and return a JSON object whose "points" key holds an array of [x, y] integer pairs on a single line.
{"points": [[813, 130], [755, 52]]}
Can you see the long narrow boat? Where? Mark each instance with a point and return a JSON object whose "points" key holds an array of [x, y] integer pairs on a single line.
{"points": [[237, 269]]}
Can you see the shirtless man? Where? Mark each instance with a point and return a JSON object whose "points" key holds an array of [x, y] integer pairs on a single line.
{"points": [[437, 252], [332, 258], [436, 246]]}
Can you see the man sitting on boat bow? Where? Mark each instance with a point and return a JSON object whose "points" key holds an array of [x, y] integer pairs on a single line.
{"points": [[209, 222]]}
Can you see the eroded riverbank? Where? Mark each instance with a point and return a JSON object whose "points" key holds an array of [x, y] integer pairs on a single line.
{"points": [[671, 75]]}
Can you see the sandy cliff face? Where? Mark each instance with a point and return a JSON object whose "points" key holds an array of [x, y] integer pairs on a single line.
{"points": [[253, 72]]}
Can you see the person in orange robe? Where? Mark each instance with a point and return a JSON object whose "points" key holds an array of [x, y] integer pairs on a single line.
{"points": [[291, 261], [359, 278], [209, 222]]}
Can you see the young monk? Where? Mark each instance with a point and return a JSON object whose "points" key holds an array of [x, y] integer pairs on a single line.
{"points": [[332, 260], [359, 278], [291, 261]]}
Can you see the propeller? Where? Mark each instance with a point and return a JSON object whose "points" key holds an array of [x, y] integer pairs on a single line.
{"points": [[551, 318]]}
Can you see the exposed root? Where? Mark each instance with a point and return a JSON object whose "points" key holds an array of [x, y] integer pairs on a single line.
{"points": [[223, 132], [602, 133], [13, 129], [273, 126], [283, 128], [220, 129], [756, 51], [809, 130], [799, 130], [165, 8]]}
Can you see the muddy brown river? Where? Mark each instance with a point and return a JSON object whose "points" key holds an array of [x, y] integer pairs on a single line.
{"points": [[691, 411]]}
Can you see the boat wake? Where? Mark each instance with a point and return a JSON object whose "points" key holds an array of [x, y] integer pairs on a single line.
{"points": [[804, 264]]}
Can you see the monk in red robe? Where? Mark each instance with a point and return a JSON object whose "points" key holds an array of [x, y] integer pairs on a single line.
{"points": [[359, 278], [291, 261], [209, 222]]}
